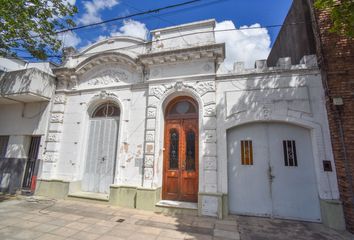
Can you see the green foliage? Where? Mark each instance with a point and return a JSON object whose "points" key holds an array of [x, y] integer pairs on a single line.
{"points": [[31, 25], [341, 14]]}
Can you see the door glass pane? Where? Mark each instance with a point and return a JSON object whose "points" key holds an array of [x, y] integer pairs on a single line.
{"points": [[190, 151], [173, 149]]}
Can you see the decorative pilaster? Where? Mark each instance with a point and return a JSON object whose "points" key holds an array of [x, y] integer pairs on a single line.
{"points": [[55, 129]]}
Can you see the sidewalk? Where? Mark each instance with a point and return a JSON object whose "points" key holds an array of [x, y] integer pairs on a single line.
{"points": [[67, 219]]}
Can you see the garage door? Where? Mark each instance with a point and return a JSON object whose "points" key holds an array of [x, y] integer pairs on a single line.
{"points": [[271, 172]]}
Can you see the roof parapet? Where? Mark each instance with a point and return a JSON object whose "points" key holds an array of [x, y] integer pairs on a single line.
{"points": [[306, 62]]}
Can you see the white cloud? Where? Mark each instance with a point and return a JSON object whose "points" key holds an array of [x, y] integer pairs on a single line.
{"points": [[132, 28], [245, 45], [93, 8], [69, 39], [71, 2]]}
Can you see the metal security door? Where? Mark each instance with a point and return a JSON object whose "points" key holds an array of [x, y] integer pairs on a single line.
{"points": [[294, 188], [248, 188], [31, 170], [99, 169]]}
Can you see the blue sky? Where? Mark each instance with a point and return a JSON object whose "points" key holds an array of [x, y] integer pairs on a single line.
{"points": [[228, 14]]}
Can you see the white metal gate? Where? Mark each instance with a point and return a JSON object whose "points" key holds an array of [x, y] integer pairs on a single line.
{"points": [[271, 172], [101, 155]]}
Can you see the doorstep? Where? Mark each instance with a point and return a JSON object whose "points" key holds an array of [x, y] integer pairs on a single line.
{"points": [[177, 204], [90, 196]]}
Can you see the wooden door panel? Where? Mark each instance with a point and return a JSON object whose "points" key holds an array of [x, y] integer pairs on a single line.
{"points": [[181, 160]]}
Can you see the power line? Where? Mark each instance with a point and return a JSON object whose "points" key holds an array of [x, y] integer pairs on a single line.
{"points": [[183, 35], [156, 10], [189, 34]]}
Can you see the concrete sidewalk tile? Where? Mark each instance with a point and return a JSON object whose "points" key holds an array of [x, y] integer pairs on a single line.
{"points": [[107, 223], [27, 224], [48, 236], [226, 227], [97, 229], [120, 233], [59, 222], [226, 234], [27, 234], [88, 220], [85, 236], [108, 237], [45, 227], [142, 236], [64, 231], [192, 236], [149, 230], [203, 224], [172, 234], [77, 225]]}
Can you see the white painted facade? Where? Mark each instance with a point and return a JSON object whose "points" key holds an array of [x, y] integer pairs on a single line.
{"points": [[142, 78]]}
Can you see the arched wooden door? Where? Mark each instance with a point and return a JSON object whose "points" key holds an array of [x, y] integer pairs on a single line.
{"points": [[180, 176]]}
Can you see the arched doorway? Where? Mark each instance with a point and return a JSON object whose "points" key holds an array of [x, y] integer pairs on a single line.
{"points": [[180, 176], [102, 148]]}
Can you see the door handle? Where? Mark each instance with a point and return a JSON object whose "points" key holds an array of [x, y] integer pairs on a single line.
{"points": [[270, 175], [103, 159]]}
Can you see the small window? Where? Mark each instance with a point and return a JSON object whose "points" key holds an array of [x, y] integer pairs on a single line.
{"points": [[4, 140], [246, 152], [290, 153], [174, 148], [106, 110]]}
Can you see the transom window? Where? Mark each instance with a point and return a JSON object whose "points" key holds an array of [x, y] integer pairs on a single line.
{"points": [[106, 110], [182, 107]]}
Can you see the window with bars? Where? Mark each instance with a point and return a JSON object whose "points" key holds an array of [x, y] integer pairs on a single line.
{"points": [[246, 152], [289, 147], [4, 140]]}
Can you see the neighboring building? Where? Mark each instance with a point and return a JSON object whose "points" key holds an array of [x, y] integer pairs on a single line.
{"points": [[26, 90], [157, 125], [336, 61]]}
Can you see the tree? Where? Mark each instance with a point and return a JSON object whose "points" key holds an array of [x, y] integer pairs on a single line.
{"points": [[32, 26], [341, 13]]}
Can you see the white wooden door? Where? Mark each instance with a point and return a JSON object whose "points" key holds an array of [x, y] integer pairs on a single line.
{"points": [[249, 190], [100, 160], [294, 188], [272, 185]]}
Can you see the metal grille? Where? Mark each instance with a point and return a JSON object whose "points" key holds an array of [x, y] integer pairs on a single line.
{"points": [[290, 153], [4, 140], [174, 148], [246, 152], [30, 170]]}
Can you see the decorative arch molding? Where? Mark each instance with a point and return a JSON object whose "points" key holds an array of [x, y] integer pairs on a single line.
{"points": [[103, 97], [244, 118], [198, 89], [109, 57], [129, 39]]}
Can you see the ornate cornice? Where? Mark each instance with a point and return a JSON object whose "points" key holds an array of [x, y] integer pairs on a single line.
{"points": [[215, 51]]}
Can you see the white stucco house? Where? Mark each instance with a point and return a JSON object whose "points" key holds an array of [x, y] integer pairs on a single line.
{"points": [[158, 125]]}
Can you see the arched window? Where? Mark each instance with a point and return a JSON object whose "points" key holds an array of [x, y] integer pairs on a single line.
{"points": [[182, 107], [106, 110]]}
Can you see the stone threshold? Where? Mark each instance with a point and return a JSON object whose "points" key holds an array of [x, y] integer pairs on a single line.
{"points": [[90, 196], [177, 204]]}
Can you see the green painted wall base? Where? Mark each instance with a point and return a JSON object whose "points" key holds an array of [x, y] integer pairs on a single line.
{"points": [[123, 196], [146, 198], [332, 214], [52, 188]]}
